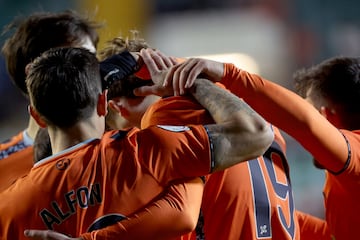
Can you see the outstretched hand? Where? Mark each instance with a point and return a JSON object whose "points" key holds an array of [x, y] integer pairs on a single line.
{"points": [[47, 235]]}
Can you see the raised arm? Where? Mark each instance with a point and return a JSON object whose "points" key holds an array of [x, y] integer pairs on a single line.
{"points": [[240, 134], [291, 113], [276, 104]]}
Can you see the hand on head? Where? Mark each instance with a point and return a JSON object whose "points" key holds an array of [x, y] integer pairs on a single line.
{"points": [[159, 67], [184, 74], [174, 78]]}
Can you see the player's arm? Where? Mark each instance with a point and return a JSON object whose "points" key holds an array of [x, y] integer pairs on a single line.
{"points": [[291, 113], [174, 214], [278, 105], [312, 227], [240, 134]]}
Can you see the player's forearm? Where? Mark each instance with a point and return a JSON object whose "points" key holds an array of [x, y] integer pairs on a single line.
{"points": [[291, 113], [173, 215], [135, 229], [240, 133]]}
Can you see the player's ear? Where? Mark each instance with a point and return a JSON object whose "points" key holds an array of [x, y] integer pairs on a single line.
{"points": [[27, 68], [114, 106], [36, 116], [102, 103]]}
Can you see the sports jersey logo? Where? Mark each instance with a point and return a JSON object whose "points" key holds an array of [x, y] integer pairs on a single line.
{"points": [[174, 128], [62, 164]]}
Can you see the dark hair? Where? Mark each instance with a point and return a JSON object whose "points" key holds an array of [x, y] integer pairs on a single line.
{"points": [[125, 87], [39, 32], [42, 145], [64, 84], [336, 80]]}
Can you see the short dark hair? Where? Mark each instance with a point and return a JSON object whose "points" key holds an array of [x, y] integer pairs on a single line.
{"points": [[64, 85], [39, 32], [337, 80], [42, 145]]}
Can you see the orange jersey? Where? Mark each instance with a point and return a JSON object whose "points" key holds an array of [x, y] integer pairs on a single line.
{"points": [[251, 200], [336, 150], [183, 198], [341, 191], [16, 159], [312, 228], [102, 181]]}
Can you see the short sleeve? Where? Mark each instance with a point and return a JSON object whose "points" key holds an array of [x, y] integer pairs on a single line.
{"points": [[175, 152]]}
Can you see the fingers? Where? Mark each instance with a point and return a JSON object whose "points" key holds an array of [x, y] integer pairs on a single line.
{"points": [[149, 61], [46, 235], [174, 61], [185, 75], [159, 59], [179, 76], [195, 71], [43, 234], [145, 91], [166, 62]]}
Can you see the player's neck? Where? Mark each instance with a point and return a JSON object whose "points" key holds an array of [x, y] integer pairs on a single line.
{"points": [[62, 139], [32, 128]]}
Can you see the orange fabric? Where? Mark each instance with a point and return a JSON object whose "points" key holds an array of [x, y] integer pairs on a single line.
{"points": [[180, 197], [99, 182], [228, 202], [341, 193], [312, 228], [291, 113], [327, 144], [16, 160]]}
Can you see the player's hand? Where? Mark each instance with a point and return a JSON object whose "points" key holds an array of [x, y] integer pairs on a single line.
{"points": [[158, 65], [47, 235], [183, 75]]}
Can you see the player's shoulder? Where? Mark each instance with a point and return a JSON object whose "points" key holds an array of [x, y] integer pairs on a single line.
{"points": [[116, 137], [178, 102], [11, 141], [171, 136], [353, 135], [353, 141], [14, 145]]}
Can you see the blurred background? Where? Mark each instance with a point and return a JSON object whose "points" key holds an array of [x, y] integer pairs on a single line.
{"points": [[272, 38]]}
